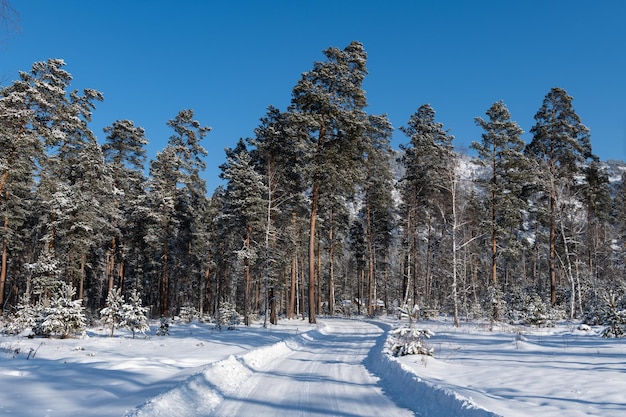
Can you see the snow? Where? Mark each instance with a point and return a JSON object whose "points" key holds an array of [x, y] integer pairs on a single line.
{"points": [[338, 367]]}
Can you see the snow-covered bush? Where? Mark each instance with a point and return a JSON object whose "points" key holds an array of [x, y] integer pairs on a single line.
{"points": [[494, 303], [541, 314], [614, 316], [64, 317], [134, 315], [228, 316], [594, 312], [408, 340], [526, 306], [112, 314]]}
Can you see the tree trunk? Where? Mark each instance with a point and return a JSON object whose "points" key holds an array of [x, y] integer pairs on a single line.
{"points": [[272, 297], [494, 244], [291, 308], [110, 265], [455, 226], [312, 298], [429, 255], [81, 287], [370, 271], [120, 274], [318, 278], [552, 250], [3, 268], [165, 284], [331, 272], [246, 272], [302, 291]]}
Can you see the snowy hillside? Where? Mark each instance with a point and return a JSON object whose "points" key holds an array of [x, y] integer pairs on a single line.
{"points": [[339, 367]]}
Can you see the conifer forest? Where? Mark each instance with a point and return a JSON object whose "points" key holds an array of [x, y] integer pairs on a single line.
{"points": [[318, 213]]}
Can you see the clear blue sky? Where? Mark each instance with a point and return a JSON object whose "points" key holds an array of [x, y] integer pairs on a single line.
{"points": [[229, 60]]}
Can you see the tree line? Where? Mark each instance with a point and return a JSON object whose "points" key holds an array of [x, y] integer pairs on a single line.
{"points": [[318, 214]]}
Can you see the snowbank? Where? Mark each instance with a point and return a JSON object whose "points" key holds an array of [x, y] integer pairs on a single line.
{"points": [[202, 392], [409, 390]]}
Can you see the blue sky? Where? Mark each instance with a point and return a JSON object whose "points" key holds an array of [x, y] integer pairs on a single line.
{"points": [[229, 60]]}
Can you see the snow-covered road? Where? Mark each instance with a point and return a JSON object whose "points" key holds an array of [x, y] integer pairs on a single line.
{"points": [[324, 376], [329, 369]]}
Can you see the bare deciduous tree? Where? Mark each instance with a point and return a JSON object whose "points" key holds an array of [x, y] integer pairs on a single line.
{"points": [[9, 21]]}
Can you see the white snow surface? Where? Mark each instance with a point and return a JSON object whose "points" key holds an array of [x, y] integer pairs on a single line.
{"points": [[339, 367]]}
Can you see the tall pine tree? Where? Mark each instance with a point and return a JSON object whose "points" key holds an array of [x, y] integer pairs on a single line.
{"points": [[560, 145], [424, 188], [501, 151], [327, 106]]}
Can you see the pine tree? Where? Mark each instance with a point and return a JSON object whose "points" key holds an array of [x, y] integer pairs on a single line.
{"points": [[327, 107], [161, 196], [501, 151], [69, 167], [425, 190], [17, 168], [617, 271], [124, 152], [173, 190], [36, 111], [560, 145], [244, 208], [277, 158], [377, 211], [596, 197]]}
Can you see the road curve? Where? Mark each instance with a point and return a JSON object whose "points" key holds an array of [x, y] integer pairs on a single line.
{"points": [[324, 376]]}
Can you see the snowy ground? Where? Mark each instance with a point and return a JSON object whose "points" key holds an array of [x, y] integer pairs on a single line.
{"points": [[337, 368]]}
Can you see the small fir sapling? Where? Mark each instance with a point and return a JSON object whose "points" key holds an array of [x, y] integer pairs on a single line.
{"points": [[188, 313], [164, 327], [25, 319], [614, 317], [134, 315], [64, 316], [228, 316], [408, 340], [494, 303], [112, 314]]}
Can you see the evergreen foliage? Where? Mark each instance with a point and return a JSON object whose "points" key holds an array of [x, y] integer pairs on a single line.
{"points": [[408, 340], [316, 210]]}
